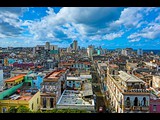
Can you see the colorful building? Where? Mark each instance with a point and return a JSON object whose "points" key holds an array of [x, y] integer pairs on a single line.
{"points": [[154, 104], [18, 92]]}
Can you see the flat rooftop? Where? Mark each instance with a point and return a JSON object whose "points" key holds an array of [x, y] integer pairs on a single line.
{"points": [[72, 97], [23, 93]]}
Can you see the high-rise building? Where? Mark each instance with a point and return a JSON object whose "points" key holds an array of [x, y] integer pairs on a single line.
{"points": [[140, 52], [47, 46], [75, 45], [90, 51]]}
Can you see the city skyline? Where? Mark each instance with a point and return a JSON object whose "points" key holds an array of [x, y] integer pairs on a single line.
{"points": [[109, 27]]}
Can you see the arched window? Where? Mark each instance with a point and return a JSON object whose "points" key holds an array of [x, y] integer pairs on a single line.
{"points": [[136, 101], [128, 103], [144, 101]]}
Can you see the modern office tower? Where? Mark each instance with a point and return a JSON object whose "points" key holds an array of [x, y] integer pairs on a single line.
{"points": [[47, 46], [75, 45], [140, 52], [90, 51]]}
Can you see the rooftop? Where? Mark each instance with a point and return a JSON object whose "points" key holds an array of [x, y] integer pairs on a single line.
{"points": [[15, 78], [129, 78], [23, 93], [72, 97]]}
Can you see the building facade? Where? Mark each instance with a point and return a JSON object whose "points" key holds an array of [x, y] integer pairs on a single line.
{"points": [[127, 93]]}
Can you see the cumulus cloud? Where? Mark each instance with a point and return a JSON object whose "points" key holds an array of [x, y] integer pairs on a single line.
{"points": [[82, 22], [133, 16], [10, 22], [152, 31]]}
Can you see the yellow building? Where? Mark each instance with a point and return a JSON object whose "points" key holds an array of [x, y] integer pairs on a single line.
{"points": [[28, 100], [19, 92]]}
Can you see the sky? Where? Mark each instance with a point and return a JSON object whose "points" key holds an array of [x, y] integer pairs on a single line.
{"points": [[108, 27]]}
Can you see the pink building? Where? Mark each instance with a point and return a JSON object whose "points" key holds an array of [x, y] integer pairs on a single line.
{"points": [[154, 104]]}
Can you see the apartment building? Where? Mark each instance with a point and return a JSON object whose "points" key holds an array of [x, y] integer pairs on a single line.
{"points": [[127, 93], [51, 89], [16, 93]]}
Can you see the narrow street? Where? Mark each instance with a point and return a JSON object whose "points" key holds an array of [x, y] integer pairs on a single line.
{"points": [[96, 90]]}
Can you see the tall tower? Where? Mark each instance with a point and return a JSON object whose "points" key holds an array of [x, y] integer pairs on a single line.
{"points": [[47, 46], [90, 51], [75, 45]]}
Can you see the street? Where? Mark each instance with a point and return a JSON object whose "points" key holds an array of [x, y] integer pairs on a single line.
{"points": [[96, 90]]}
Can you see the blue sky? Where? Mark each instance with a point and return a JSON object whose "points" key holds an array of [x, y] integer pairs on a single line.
{"points": [[109, 27]]}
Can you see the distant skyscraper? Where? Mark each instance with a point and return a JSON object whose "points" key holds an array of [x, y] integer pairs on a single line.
{"points": [[75, 45], [90, 51], [47, 46], [140, 52]]}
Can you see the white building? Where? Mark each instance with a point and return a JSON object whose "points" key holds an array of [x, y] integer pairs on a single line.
{"points": [[76, 100], [124, 52], [90, 51]]}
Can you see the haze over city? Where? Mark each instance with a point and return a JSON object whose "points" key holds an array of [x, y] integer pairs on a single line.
{"points": [[109, 27]]}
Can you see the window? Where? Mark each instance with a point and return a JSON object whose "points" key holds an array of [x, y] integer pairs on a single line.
{"points": [[51, 102], [128, 103], [4, 109], [144, 101], [136, 101], [154, 107], [44, 102], [32, 106]]}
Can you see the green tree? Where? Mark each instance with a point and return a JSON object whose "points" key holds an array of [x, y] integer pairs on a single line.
{"points": [[12, 109], [23, 109]]}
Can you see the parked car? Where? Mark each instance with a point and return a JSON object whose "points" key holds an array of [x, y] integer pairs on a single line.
{"points": [[100, 110]]}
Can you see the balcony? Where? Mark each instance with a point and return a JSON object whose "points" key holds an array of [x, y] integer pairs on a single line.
{"points": [[136, 108], [145, 108]]}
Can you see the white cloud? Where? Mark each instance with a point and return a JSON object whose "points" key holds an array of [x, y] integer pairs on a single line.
{"points": [[83, 22], [152, 31], [157, 18], [133, 16], [112, 36], [134, 40]]}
